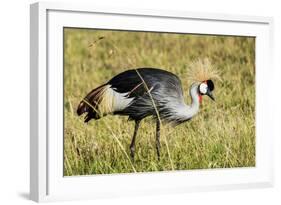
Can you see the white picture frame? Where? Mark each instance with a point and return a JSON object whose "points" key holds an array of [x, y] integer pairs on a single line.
{"points": [[47, 182]]}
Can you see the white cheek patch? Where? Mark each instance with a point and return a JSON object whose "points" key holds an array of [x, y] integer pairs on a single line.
{"points": [[203, 88]]}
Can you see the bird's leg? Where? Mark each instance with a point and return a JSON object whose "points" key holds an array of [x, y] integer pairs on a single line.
{"points": [[158, 138], [132, 146]]}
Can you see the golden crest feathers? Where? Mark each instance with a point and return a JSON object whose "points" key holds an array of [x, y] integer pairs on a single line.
{"points": [[201, 70]]}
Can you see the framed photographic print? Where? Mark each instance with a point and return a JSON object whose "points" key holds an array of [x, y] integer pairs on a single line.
{"points": [[129, 102]]}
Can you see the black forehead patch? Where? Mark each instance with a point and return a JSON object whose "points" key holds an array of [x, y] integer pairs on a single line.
{"points": [[211, 85]]}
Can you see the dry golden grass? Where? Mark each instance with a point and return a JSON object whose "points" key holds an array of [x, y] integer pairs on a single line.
{"points": [[222, 135]]}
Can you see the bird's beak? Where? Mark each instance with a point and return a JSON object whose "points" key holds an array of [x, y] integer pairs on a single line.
{"points": [[209, 93]]}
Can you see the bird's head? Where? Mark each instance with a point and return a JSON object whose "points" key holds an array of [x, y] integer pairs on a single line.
{"points": [[206, 88], [202, 71]]}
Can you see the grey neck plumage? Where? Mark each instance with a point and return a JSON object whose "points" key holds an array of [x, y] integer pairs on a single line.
{"points": [[193, 108], [186, 112], [195, 103]]}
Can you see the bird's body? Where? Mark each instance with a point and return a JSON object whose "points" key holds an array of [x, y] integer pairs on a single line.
{"points": [[140, 93], [130, 96]]}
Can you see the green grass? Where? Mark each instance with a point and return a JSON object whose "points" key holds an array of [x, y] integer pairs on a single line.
{"points": [[222, 135]]}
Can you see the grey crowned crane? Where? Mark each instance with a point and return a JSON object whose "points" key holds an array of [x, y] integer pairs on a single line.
{"points": [[144, 92]]}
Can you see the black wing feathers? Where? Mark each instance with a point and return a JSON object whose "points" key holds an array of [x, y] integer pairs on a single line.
{"points": [[160, 83], [129, 81]]}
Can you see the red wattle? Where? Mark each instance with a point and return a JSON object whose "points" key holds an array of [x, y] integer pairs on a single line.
{"points": [[200, 98]]}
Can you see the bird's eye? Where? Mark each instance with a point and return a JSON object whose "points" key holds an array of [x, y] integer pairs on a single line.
{"points": [[203, 88]]}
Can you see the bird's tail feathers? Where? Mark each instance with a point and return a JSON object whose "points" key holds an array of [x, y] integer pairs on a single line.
{"points": [[94, 104]]}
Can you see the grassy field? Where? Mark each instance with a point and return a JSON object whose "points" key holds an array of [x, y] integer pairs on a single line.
{"points": [[222, 135]]}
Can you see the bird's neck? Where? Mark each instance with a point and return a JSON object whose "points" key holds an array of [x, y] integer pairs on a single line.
{"points": [[195, 100], [185, 112]]}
